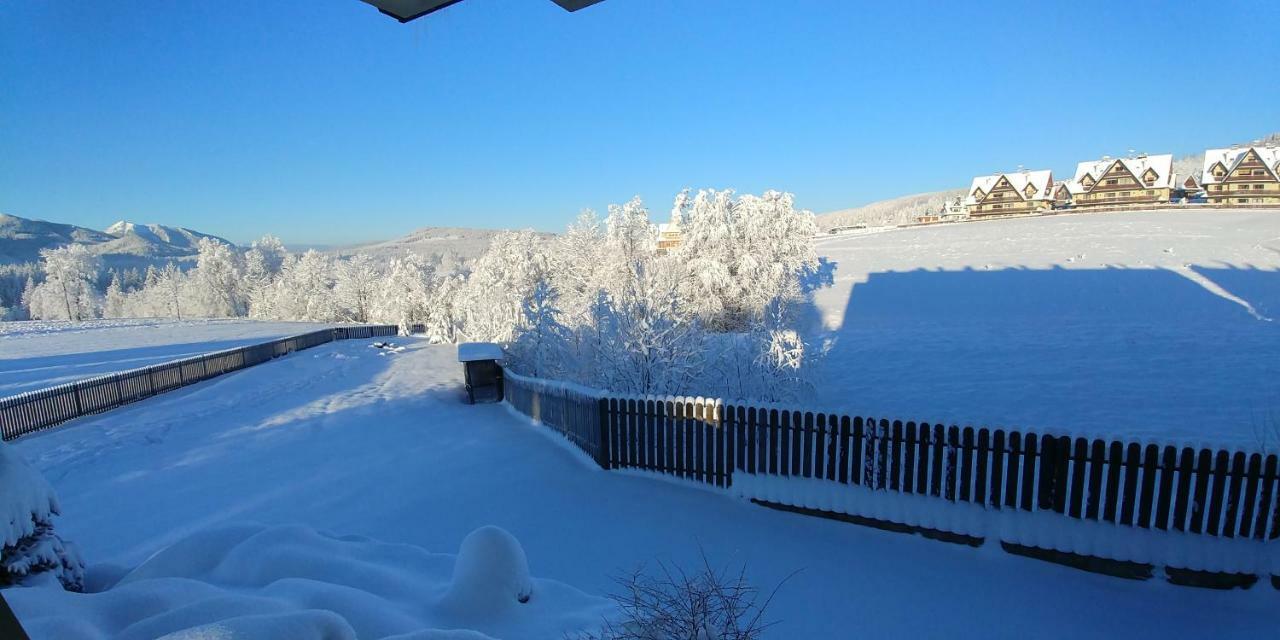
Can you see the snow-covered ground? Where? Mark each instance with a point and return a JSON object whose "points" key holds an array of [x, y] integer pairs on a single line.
{"points": [[39, 354], [356, 441], [1130, 324]]}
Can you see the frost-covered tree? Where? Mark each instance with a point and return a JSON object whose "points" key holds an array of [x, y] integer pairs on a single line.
{"points": [[356, 284], [500, 281], [542, 346], [655, 347], [67, 292], [740, 255], [574, 265], [113, 305], [216, 282], [168, 292], [262, 264], [630, 244], [29, 295], [30, 550], [404, 294], [444, 313], [304, 290]]}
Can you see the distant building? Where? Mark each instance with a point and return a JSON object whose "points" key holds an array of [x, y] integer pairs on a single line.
{"points": [[1062, 194], [1189, 189], [953, 210], [668, 236], [1009, 193], [929, 218], [1242, 175], [1139, 180]]}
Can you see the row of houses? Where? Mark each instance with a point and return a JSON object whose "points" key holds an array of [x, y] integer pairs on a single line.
{"points": [[1238, 176]]}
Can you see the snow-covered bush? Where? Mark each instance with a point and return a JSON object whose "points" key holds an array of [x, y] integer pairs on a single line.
{"points": [[31, 549], [671, 602], [490, 574]]}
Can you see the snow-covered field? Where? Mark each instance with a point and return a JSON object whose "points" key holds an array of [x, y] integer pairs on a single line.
{"points": [[1131, 324], [356, 441], [39, 354]]}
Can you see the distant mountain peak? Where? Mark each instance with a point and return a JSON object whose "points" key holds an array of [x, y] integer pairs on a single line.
{"points": [[122, 243]]}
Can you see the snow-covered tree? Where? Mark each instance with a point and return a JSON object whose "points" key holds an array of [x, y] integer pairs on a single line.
{"points": [[216, 282], [67, 292], [30, 550], [574, 265], [444, 313], [740, 255], [500, 281], [304, 290], [404, 294], [543, 345], [630, 244], [262, 264], [356, 284], [113, 305], [168, 292]]}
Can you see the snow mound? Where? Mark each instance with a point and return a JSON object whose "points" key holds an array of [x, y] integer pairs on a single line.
{"points": [[283, 582], [491, 574], [26, 498]]}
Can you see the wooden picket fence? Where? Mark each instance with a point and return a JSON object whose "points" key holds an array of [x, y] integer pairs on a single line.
{"points": [[1185, 490], [34, 411]]}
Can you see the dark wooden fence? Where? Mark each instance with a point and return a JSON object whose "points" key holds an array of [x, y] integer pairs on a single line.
{"points": [[37, 410], [1220, 492]]}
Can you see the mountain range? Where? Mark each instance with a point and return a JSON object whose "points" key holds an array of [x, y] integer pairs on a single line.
{"points": [[121, 245]]}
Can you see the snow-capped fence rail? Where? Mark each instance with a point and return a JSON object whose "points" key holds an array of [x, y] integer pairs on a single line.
{"points": [[1184, 506], [37, 410]]}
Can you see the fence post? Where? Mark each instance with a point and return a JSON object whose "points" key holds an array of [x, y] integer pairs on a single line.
{"points": [[602, 448]]}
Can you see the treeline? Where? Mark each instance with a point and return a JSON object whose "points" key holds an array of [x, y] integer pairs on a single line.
{"points": [[596, 305]]}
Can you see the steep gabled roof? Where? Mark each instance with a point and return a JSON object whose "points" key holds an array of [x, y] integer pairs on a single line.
{"points": [[1042, 181], [1231, 158], [1161, 165]]}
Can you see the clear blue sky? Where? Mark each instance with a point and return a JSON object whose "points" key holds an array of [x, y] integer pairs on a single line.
{"points": [[323, 121]]}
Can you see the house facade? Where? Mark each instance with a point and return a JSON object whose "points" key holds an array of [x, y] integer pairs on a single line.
{"points": [[1010, 193], [668, 236], [1062, 194], [1242, 175], [1110, 181]]}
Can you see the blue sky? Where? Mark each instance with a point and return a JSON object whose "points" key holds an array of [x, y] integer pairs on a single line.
{"points": [[323, 121]]}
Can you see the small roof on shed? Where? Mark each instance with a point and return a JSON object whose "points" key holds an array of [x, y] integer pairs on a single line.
{"points": [[473, 351]]}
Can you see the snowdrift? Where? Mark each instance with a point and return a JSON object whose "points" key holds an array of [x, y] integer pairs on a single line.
{"points": [[251, 581]]}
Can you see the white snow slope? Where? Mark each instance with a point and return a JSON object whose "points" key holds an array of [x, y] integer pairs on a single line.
{"points": [[342, 438], [39, 354], [1162, 325]]}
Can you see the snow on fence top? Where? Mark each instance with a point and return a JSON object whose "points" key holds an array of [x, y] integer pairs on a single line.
{"points": [[473, 351]]}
